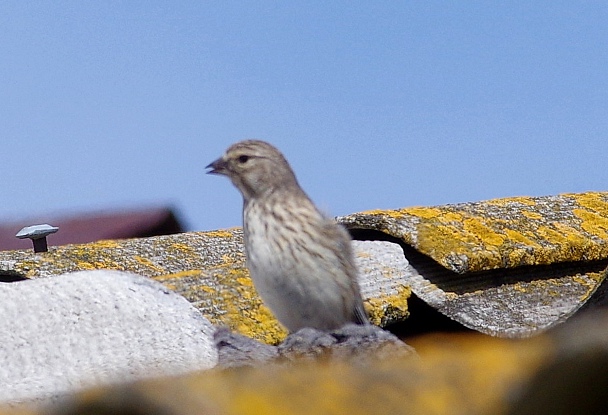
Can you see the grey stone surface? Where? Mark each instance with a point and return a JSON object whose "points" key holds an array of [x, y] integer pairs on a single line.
{"points": [[358, 343], [92, 328], [237, 350]]}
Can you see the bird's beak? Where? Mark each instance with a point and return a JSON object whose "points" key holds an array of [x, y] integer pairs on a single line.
{"points": [[217, 167]]}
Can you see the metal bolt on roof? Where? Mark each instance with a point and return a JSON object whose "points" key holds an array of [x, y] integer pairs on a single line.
{"points": [[38, 234]]}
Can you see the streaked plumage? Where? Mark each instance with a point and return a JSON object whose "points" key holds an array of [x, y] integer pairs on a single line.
{"points": [[300, 261]]}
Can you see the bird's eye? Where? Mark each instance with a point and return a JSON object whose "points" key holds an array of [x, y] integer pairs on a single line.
{"points": [[243, 159]]}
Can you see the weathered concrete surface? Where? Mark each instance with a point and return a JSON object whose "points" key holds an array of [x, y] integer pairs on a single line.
{"points": [[506, 267], [92, 328], [208, 269]]}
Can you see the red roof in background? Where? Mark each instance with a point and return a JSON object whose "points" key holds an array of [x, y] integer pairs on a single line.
{"points": [[90, 227]]}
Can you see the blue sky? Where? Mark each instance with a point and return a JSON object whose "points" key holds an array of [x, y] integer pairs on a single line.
{"points": [[111, 105]]}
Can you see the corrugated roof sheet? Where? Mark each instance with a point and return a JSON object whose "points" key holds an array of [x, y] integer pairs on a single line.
{"points": [[507, 267]]}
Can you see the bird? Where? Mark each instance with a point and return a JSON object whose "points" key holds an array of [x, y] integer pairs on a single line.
{"points": [[301, 261]]}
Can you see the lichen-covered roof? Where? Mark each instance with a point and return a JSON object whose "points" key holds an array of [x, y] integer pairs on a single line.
{"points": [[500, 233], [208, 269], [507, 267]]}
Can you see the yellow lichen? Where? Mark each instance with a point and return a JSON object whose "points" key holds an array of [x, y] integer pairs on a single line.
{"points": [[177, 275], [524, 200], [551, 235], [106, 244], [517, 257], [219, 234], [182, 247], [443, 242], [451, 217], [593, 223], [482, 232], [149, 264], [242, 309], [531, 215], [515, 236], [593, 201], [246, 281], [395, 214], [520, 288], [449, 295], [229, 259], [85, 266], [573, 235], [423, 212], [389, 308]]}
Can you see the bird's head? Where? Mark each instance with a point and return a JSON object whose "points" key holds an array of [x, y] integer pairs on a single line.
{"points": [[255, 168]]}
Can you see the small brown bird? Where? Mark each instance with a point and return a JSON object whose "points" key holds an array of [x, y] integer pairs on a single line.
{"points": [[301, 262]]}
